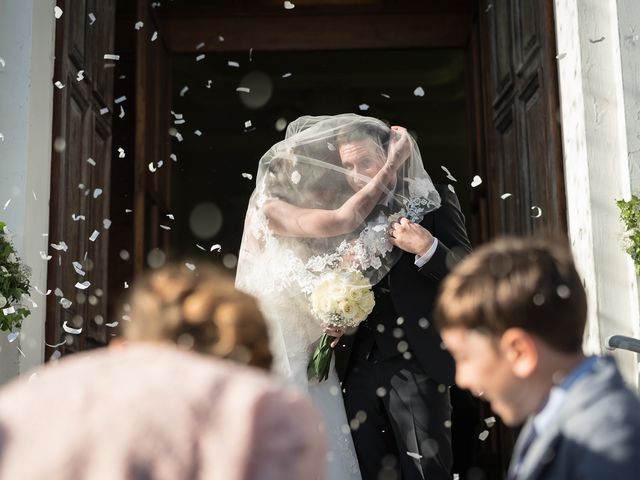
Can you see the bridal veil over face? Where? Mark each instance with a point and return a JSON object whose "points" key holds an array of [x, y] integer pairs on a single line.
{"points": [[320, 165]]}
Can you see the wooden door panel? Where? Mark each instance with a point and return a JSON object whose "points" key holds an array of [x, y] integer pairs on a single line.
{"points": [[526, 31], [499, 17]]}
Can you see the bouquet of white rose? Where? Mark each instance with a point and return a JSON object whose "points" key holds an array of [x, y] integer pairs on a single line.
{"points": [[340, 300], [14, 284]]}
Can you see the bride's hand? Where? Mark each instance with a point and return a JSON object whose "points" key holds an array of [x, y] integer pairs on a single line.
{"points": [[399, 147], [334, 331]]}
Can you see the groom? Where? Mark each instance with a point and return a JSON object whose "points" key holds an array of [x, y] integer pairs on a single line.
{"points": [[394, 370]]}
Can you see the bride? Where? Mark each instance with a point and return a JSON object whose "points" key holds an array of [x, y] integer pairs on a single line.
{"points": [[304, 219]]}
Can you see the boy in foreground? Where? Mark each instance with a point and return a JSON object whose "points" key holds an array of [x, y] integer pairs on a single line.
{"points": [[513, 316]]}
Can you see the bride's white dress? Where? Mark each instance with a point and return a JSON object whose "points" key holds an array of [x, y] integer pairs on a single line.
{"points": [[293, 341]]}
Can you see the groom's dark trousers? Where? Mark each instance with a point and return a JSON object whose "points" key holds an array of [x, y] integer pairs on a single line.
{"points": [[395, 373]]}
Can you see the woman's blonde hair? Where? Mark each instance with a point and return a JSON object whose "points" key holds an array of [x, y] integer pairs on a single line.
{"points": [[199, 310]]}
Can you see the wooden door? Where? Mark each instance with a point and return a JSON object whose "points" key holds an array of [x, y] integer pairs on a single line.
{"points": [[524, 170], [80, 181]]}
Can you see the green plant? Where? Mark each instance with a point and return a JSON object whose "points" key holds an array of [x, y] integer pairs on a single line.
{"points": [[630, 216], [14, 284]]}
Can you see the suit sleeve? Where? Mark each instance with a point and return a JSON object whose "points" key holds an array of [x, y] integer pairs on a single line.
{"points": [[453, 242]]}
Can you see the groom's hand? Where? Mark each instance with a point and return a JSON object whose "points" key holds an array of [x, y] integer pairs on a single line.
{"points": [[333, 331], [410, 237]]}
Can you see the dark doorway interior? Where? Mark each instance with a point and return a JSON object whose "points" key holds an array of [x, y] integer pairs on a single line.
{"points": [[218, 146]]}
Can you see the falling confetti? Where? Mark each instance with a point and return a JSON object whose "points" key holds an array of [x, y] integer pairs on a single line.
{"points": [[44, 256], [247, 124], [199, 46], [121, 112], [120, 99], [154, 37], [139, 24], [59, 84], [112, 324], [6, 204], [80, 75], [385, 95], [295, 177], [363, 107], [243, 90], [68, 329], [121, 152], [417, 456], [200, 57], [60, 246], [92, 18], [184, 90], [476, 181], [165, 227], [220, 38], [288, 5], [13, 335], [97, 192], [483, 435], [536, 212], [190, 266], [57, 11], [198, 133], [104, 110], [504, 196], [94, 236], [419, 92], [91, 162], [83, 285], [231, 63], [77, 266], [173, 157], [286, 75], [152, 168], [449, 176], [216, 248], [490, 421], [111, 56], [170, 216], [65, 303], [106, 224], [208, 85], [247, 176], [560, 56], [201, 247]]}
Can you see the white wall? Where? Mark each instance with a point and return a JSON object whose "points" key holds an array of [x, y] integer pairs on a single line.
{"points": [[27, 30], [597, 170]]}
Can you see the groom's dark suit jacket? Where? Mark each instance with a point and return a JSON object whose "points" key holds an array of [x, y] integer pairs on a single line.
{"points": [[410, 292]]}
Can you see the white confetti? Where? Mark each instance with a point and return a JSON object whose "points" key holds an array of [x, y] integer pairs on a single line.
{"points": [[120, 99], [111, 56], [9, 311], [184, 90], [77, 217], [490, 421], [560, 56], [33, 192], [173, 157], [112, 324], [126, 285], [170, 216], [536, 212], [80, 75], [44, 256], [127, 210], [165, 227], [154, 37], [59, 84], [91, 162], [94, 235], [60, 246], [179, 122], [97, 192], [286, 75], [504, 196], [331, 147], [295, 177], [56, 345], [200, 57], [92, 18], [199, 46], [220, 38], [139, 24], [483, 435], [68, 329], [385, 95], [216, 248], [83, 285], [65, 303], [363, 107], [1, 135], [288, 5], [77, 266], [247, 176], [209, 82], [190, 266], [104, 110], [414, 455], [419, 92], [243, 90], [57, 11], [198, 133], [6, 204], [179, 136], [121, 153], [13, 335], [152, 168], [201, 247], [106, 223], [449, 176], [247, 124], [121, 112], [476, 181], [231, 63]]}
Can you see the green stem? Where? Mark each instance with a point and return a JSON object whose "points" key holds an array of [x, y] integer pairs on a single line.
{"points": [[320, 360]]}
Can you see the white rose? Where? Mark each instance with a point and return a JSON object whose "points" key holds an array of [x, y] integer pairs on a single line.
{"points": [[3, 301]]}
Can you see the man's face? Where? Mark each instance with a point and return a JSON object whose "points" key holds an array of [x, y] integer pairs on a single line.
{"points": [[361, 157], [482, 367]]}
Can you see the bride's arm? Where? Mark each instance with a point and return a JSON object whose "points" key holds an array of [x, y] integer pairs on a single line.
{"points": [[288, 220]]}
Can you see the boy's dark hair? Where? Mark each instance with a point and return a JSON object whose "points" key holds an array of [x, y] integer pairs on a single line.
{"points": [[513, 282], [364, 131]]}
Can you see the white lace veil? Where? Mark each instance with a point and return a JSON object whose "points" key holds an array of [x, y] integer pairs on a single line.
{"points": [[305, 174]]}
